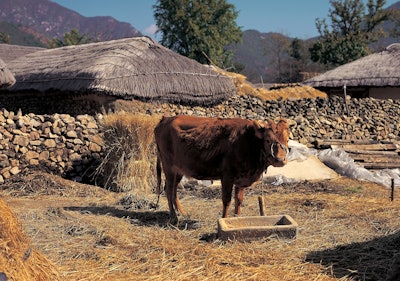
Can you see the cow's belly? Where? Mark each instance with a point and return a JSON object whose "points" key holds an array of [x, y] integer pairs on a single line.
{"points": [[201, 171], [247, 181], [200, 174], [213, 170]]}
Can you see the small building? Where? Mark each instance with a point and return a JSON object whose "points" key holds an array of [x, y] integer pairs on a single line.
{"points": [[99, 73], [376, 75]]}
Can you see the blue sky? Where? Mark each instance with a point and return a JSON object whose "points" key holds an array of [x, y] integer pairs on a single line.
{"points": [[294, 18]]}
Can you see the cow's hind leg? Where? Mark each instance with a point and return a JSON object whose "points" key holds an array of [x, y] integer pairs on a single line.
{"points": [[227, 186], [171, 191], [178, 205]]}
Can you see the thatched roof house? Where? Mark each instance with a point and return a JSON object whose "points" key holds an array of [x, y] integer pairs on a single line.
{"points": [[11, 52], [127, 68], [376, 75], [6, 77]]}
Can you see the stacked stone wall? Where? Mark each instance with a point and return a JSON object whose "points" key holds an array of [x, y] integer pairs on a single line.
{"points": [[59, 143], [72, 146]]}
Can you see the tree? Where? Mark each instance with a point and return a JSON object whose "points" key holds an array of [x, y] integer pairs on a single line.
{"points": [[394, 31], [352, 29], [299, 58], [70, 38], [4, 38], [198, 29], [277, 45]]}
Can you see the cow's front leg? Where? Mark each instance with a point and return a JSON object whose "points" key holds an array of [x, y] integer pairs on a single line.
{"points": [[226, 196], [239, 197]]}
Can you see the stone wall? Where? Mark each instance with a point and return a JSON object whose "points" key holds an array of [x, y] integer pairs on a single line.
{"points": [[60, 143], [311, 119], [72, 145]]}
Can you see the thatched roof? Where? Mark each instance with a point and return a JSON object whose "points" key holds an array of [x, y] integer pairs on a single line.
{"points": [[130, 68], [11, 52], [376, 70], [6, 77]]}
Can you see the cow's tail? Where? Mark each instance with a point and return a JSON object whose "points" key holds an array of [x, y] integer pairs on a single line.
{"points": [[158, 169], [158, 187]]}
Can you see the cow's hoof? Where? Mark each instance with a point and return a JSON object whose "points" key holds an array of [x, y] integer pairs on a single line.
{"points": [[173, 221]]}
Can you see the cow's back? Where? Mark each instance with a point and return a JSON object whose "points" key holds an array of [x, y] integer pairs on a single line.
{"points": [[187, 146]]}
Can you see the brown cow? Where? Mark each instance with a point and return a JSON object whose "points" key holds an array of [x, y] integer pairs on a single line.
{"points": [[235, 150]]}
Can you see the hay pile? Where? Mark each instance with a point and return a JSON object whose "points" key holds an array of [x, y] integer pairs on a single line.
{"points": [[18, 259], [129, 142], [279, 91]]}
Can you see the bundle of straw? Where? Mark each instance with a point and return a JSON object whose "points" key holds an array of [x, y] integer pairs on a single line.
{"points": [[18, 259]]}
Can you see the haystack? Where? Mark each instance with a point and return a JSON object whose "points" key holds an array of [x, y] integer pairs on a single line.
{"points": [[377, 70], [127, 68], [18, 259], [277, 91], [6, 77]]}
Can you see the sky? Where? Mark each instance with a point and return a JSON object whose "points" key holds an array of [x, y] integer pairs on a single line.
{"points": [[293, 18]]}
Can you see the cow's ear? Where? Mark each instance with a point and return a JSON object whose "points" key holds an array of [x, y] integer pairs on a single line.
{"points": [[259, 128]]}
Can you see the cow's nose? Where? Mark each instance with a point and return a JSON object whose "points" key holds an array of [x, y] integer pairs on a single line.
{"points": [[281, 149]]}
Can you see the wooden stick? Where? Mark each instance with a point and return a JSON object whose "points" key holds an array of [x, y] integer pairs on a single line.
{"points": [[392, 193], [261, 205]]}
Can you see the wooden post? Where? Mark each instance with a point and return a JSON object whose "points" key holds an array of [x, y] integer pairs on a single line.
{"points": [[392, 193], [261, 205], [345, 100]]}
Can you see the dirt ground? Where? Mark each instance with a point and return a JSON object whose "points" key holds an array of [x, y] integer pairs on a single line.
{"points": [[347, 230]]}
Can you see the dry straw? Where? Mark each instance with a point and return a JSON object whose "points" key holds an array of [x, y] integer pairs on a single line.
{"points": [[6, 77], [130, 152], [347, 231], [379, 69], [130, 68], [11, 52], [19, 260], [283, 91]]}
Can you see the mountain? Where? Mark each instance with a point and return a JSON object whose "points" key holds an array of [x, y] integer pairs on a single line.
{"points": [[45, 19], [251, 52], [33, 22], [260, 64], [20, 35]]}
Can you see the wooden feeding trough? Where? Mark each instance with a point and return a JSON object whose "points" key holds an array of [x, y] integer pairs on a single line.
{"points": [[256, 227]]}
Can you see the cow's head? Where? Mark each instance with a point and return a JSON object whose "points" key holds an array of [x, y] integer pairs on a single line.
{"points": [[275, 137]]}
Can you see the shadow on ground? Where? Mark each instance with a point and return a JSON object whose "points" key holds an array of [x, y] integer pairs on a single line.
{"points": [[139, 218], [377, 259]]}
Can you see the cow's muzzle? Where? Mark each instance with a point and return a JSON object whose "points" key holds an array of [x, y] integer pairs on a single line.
{"points": [[278, 145]]}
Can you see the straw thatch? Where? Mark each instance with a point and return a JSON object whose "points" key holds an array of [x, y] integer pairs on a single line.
{"points": [[11, 52], [19, 260], [6, 77], [129, 68], [376, 70]]}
